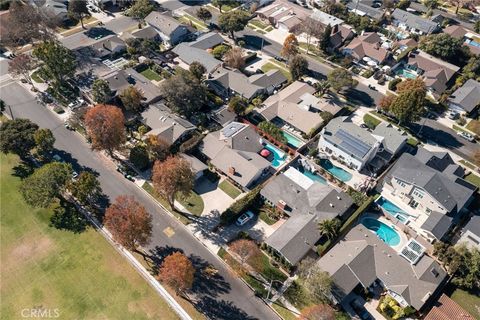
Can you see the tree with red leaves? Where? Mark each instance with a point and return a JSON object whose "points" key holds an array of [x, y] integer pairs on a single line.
{"points": [[105, 126], [318, 312], [172, 177], [129, 223], [177, 272], [245, 249]]}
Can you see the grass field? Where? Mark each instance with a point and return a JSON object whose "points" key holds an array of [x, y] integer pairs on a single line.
{"points": [[473, 178], [269, 66], [193, 203], [227, 187], [80, 274], [151, 75], [469, 301]]}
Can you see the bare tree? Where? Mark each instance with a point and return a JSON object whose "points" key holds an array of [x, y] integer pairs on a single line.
{"points": [[234, 58], [312, 28]]}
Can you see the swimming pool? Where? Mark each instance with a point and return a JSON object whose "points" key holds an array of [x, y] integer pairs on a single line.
{"points": [[311, 175], [392, 209], [406, 73], [339, 173], [292, 140], [384, 232], [278, 155]]}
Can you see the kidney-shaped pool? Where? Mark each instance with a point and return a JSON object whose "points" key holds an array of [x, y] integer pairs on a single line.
{"points": [[384, 232]]}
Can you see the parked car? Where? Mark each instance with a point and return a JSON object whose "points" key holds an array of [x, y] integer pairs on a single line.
{"points": [[372, 87], [56, 157], [452, 115], [360, 310], [244, 218], [281, 59], [364, 126], [74, 175], [466, 136]]}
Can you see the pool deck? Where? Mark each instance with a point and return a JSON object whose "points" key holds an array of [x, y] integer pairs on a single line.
{"points": [[357, 178], [403, 236]]}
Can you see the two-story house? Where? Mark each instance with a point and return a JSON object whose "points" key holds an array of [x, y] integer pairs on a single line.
{"points": [[170, 30]]}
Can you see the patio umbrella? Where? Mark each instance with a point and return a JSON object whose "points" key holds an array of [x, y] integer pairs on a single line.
{"points": [[265, 153]]}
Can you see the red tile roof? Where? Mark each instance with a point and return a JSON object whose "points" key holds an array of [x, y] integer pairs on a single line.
{"points": [[447, 309]]}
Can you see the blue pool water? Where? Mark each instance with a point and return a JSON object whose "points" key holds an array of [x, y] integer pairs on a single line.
{"points": [[392, 209], [278, 155], [339, 173], [473, 43], [384, 232], [292, 140], [406, 73], [313, 176]]}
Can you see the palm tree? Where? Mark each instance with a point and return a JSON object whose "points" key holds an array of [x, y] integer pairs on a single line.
{"points": [[329, 228]]}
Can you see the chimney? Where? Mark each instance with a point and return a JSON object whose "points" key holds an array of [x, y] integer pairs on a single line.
{"points": [[281, 205], [231, 171]]}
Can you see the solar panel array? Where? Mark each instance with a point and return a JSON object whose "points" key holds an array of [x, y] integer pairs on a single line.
{"points": [[356, 146], [412, 251]]}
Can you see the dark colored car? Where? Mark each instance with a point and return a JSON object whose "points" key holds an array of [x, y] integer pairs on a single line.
{"points": [[360, 310]]}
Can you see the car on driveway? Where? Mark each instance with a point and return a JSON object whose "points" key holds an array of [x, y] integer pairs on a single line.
{"points": [[244, 218], [360, 310], [466, 136]]}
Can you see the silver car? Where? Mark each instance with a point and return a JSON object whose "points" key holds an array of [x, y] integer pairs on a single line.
{"points": [[244, 218]]}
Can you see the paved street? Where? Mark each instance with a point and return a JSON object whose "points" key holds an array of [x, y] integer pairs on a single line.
{"points": [[222, 297]]}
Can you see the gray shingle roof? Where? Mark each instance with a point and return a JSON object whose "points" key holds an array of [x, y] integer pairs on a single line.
{"points": [[361, 257], [467, 96], [473, 225], [394, 138], [190, 54], [207, 41], [438, 224], [365, 9], [414, 21], [163, 22]]}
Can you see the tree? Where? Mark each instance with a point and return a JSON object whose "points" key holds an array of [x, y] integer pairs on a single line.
{"points": [[403, 4], [172, 177], [238, 105], [101, 91], [318, 312], [17, 136], [273, 131], [129, 222], [77, 10], [20, 66], [322, 86], [157, 147], [385, 103], [220, 3], [105, 126], [45, 184], [59, 62], [139, 157], [44, 140], [131, 99], [86, 188], [431, 4], [184, 93], [234, 58], [140, 9], [329, 228], [476, 158], [203, 14], [290, 47], [408, 106], [197, 69], [245, 249], [341, 79], [233, 21], [177, 272], [476, 26], [445, 46], [324, 41], [316, 281], [312, 28], [219, 51], [457, 3], [298, 67]]}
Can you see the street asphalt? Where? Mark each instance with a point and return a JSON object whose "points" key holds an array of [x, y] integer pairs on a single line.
{"points": [[220, 297]]}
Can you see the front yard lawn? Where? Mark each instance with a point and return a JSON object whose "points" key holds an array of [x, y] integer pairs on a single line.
{"points": [[36, 77], [192, 203], [371, 121], [227, 187], [470, 301], [474, 126], [151, 75], [270, 66], [262, 265], [473, 178], [81, 274], [149, 188], [259, 24]]}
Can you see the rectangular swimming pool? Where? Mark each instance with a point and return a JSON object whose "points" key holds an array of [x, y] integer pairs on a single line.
{"points": [[339, 173], [406, 73], [279, 156], [392, 209], [292, 140]]}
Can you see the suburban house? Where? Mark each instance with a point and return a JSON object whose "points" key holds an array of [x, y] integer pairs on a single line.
{"points": [[367, 48], [296, 106], [226, 81], [188, 54], [435, 72], [282, 16], [365, 9], [58, 8], [429, 192], [471, 40], [340, 34], [306, 203], [325, 19], [466, 99], [403, 45], [357, 148], [170, 30], [412, 23], [234, 150], [108, 47], [223, 116], [197, 166], [207, 41], [446, 308], [147, 32], [120, 80], [363, 260], [470, 235], [165, 124]]}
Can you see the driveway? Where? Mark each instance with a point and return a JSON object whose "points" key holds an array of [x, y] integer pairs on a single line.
{"points": [[213, 197]]}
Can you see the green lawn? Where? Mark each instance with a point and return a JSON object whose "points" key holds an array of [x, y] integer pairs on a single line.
{"points": [[474, 179], [467, 164], [79, 274], [474, 126], [413, 142], [284, 312], [36, 77], [193, 203], [469, 301], [269, 66], [196, 20], [266, 218], [371, 121], [151, 75], [227, 187], [259, 24]]}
